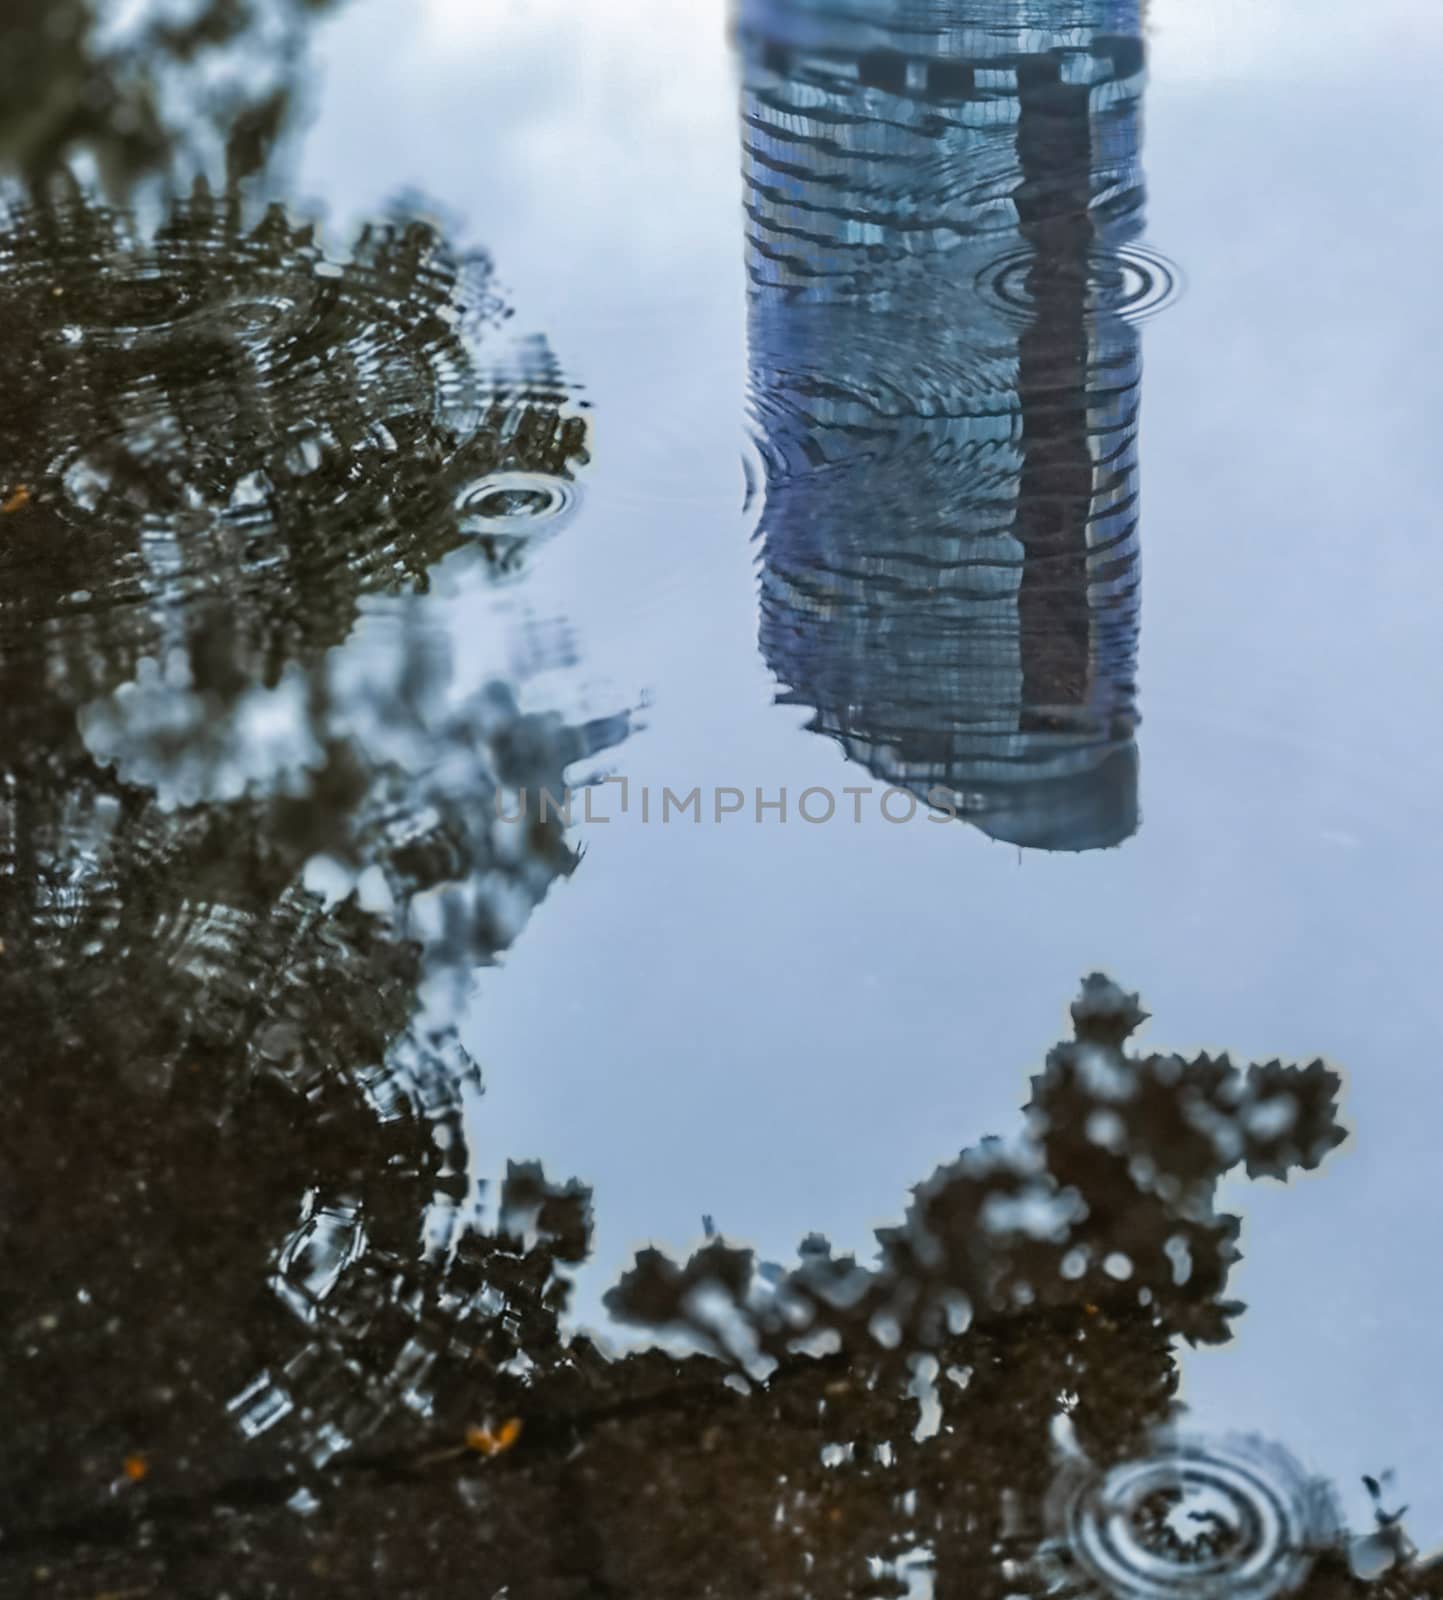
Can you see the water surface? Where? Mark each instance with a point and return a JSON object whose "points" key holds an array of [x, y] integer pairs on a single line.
{"points": [[782, 415]]}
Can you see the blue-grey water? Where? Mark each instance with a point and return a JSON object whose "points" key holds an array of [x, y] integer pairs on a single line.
{"points": [[736, 993], [1187, 712]]}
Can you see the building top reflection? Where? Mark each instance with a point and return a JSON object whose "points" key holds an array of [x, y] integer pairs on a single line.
{"points": [[945, 394]]}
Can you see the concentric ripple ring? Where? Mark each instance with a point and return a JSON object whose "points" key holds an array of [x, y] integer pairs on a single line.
{"points": [[515, 502], [1201, 1518], [1132, 282]]}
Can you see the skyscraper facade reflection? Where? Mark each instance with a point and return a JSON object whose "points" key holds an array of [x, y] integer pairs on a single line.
{"points": [[945, 393]]}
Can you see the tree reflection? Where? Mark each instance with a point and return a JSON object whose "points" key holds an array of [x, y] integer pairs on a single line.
{"points": [[220, 445], [151, 89], [1034, 1282], [220, 423], [254, 1321]]}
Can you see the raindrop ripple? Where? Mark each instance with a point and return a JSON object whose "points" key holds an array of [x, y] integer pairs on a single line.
{"points": [[1197, 1519], [1132, 282]]}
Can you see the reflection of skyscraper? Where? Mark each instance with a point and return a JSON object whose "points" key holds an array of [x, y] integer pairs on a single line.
{"points": [[946, 395]]}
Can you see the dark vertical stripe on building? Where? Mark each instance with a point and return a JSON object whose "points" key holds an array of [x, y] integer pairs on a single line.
{"points": [[1054, 495]]}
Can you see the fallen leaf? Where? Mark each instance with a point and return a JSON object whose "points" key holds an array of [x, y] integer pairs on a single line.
{"points": [[486, 1442]]}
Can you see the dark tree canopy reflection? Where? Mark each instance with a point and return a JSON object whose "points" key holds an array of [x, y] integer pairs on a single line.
{"points": [[149, 90], [218, 446], [1108, 1197], [933, 1420], [220, 427], [1096, 1232]]}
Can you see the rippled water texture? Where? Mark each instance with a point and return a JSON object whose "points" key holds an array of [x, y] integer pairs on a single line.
{"points": [[222, 446], [282, 686], [1232, 1517], [946, 389], [220, 417]]}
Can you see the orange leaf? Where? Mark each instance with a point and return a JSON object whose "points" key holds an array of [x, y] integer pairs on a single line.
{"points": [[486, 1442]]}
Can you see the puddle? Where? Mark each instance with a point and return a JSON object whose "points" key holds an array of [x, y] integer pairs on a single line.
{"points": [[444, 973]]}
